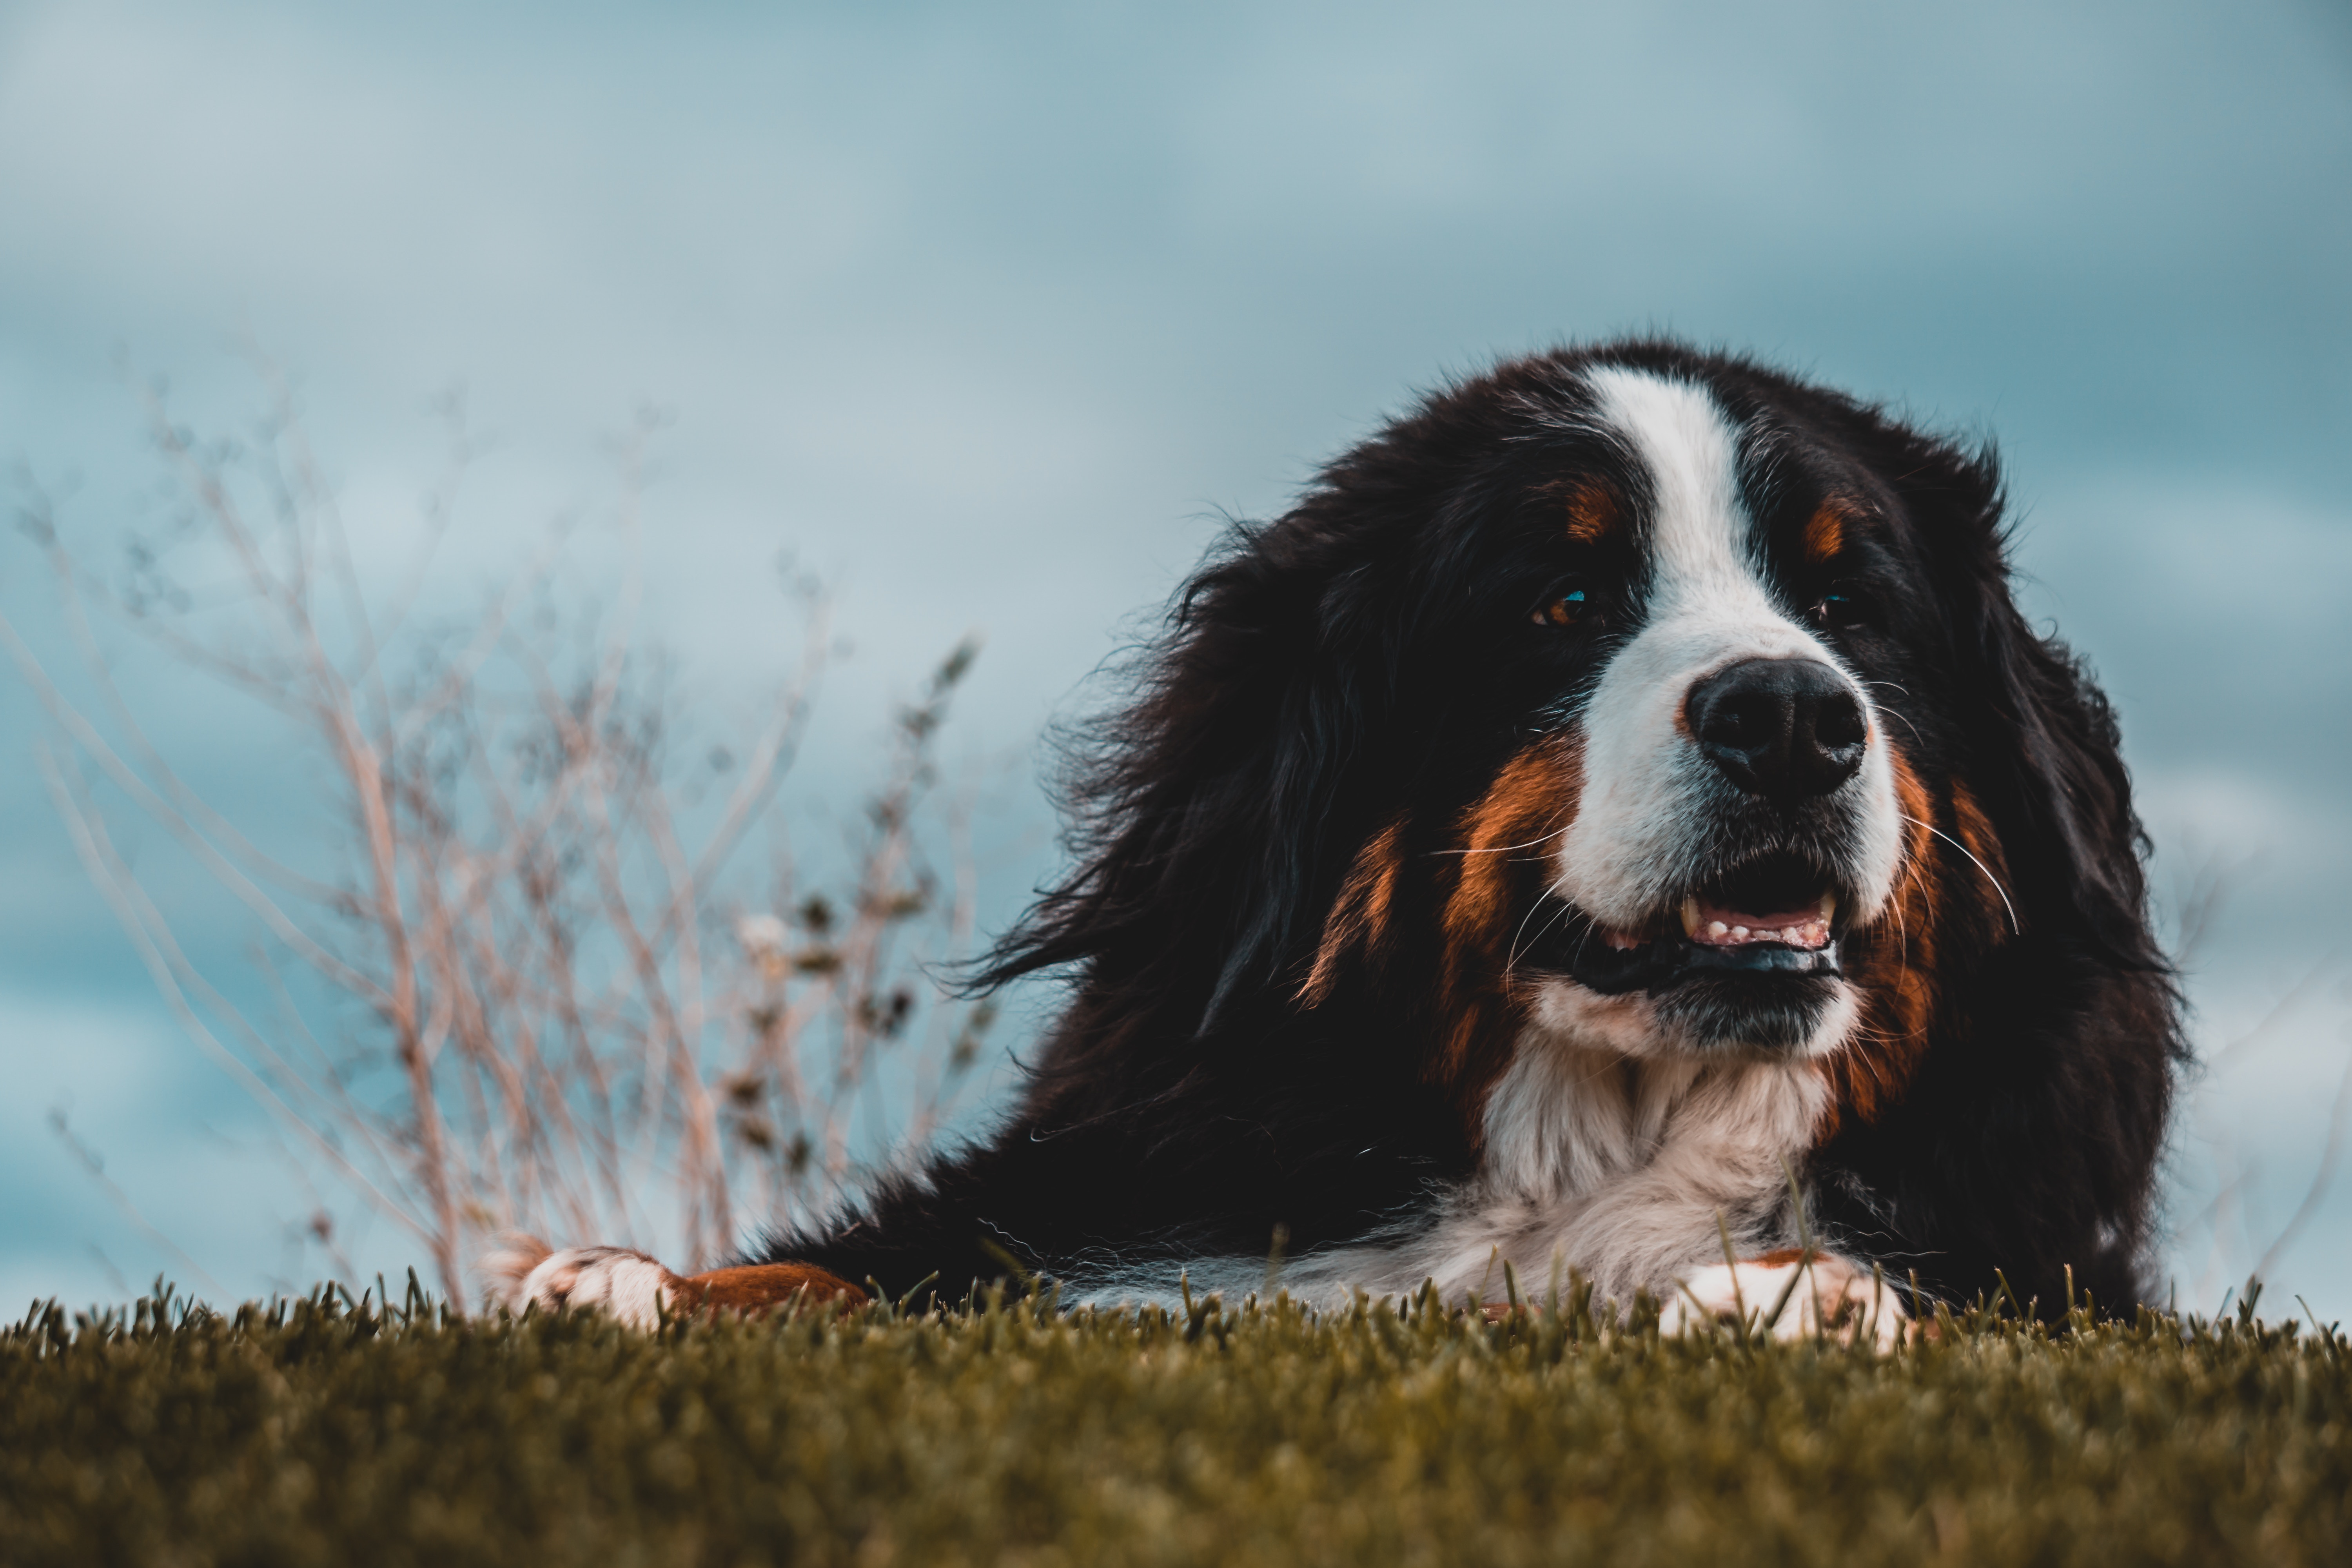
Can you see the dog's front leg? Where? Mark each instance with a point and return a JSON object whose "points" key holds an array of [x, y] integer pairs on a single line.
{"points": [[634, 1288]]}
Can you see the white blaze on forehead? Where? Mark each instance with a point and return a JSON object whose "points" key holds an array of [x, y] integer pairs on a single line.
{"points": [[1649, 796], [1703, 569]]}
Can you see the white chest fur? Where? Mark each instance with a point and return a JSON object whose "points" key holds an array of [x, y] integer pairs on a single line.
{"points": [[1625, 1170]]}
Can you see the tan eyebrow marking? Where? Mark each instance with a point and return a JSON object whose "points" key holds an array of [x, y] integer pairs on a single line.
{"points": [[1825, 530], [1592, 514]]}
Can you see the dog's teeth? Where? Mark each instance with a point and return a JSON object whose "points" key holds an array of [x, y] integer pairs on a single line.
{"points": [[1828, 907], [1690, 916], [1718, 928], [1739, 933]]}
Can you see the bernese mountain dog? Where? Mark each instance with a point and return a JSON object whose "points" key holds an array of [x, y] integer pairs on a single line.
{"points": [[1619, 825]]}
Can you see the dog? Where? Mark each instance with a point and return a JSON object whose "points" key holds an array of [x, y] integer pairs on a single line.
{"points": [[1617, 824]]}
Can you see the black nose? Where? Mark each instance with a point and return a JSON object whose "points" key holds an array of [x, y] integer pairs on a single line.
{"points": [[1779, 727]]}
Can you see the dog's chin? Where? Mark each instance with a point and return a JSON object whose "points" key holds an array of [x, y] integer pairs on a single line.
{"points": [[1760, 1015], [1767, 1018]]}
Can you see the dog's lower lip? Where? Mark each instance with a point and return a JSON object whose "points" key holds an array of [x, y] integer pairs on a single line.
{"points": [[1667, 961], [1785, 945]]}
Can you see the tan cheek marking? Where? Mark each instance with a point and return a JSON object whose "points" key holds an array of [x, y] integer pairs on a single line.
{"points": [[1898, 979], [1534, 798], [1975, 830], [1519, 818], [1360, 913]]}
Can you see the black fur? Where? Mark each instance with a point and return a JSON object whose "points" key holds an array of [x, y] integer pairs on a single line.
{"points": [[1364, 660]]}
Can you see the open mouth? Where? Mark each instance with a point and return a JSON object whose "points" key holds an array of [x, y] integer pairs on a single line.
{"points": [[1777, 915]]}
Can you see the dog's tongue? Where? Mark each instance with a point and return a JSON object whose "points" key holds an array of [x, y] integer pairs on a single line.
{"points": [[1719, 925]]}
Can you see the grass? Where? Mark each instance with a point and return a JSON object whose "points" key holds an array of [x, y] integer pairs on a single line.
{"points": [[334, 1432]]}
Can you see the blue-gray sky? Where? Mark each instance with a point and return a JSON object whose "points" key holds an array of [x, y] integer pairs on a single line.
{"points": [[989, 312]]}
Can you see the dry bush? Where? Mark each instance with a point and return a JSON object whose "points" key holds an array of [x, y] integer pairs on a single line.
{"points": [[537, 991]]}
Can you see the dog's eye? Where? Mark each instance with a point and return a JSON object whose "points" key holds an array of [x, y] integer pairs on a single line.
{"points": [[1567, 604], [1845, 604]]}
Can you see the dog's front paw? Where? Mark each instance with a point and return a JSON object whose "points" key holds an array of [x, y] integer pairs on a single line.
{"points": [[1793, 1296], [618, 1280], [634, 1288]]}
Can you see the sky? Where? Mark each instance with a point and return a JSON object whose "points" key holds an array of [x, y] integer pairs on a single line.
{"points": [[991, 315]]}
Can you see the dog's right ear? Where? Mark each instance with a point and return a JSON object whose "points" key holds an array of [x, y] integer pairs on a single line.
{"points": [[2045, 740], [2072, 833]]}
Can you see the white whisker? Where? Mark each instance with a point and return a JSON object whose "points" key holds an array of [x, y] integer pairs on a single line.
{"points": [[1891, 713], [1506, 848], [2015, 929], [1513, 957]]}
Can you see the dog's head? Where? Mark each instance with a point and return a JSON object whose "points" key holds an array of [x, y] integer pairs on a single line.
{"points": [[1640, 696]]}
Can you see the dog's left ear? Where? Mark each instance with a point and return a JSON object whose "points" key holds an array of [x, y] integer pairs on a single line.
{"points": [[2044, 741], [1303, 820], [1215, 818]]}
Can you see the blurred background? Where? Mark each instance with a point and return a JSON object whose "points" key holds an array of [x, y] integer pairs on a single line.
{"points": [[990, 316]]}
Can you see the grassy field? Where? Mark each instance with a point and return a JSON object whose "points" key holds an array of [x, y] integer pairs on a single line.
{"points": [[330, 1432]]}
